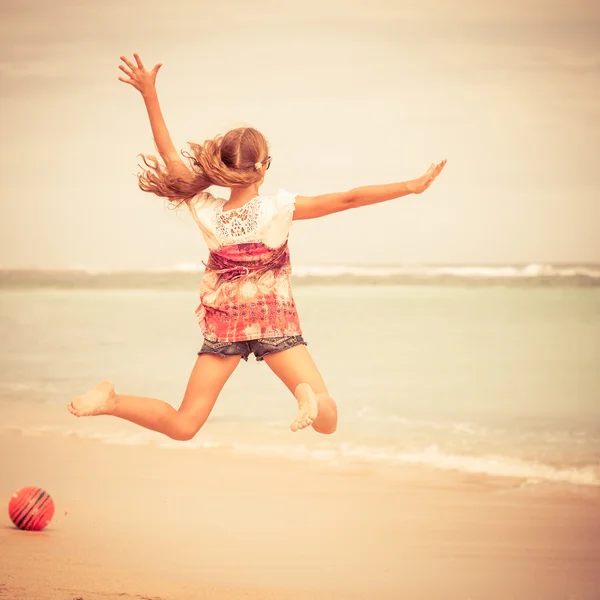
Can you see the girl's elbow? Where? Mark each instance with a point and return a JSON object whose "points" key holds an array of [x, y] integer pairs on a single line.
{"points": [[349, 200]]}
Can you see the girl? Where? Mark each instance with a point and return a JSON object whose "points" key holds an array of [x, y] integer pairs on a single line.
{"points": [[246, 301]]}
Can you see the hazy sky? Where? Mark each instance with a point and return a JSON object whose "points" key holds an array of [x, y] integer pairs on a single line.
{"points": [[348, 93]]}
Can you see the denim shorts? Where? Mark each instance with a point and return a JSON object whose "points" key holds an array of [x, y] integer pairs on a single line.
{"points": [[260, 348]]}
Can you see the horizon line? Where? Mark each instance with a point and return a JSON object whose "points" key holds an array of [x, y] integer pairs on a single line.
{"points": [[193, 267]]}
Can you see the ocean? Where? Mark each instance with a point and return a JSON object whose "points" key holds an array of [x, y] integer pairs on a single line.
{"points": [[477, 370]]}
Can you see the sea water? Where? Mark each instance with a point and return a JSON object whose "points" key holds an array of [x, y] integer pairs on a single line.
{"points": [[490, 377]]}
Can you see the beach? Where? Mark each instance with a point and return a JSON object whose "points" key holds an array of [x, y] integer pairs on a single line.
{"points": [[466, 464], [145, 522], [456, 325]]}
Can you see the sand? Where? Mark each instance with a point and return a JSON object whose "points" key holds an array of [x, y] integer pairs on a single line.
{"points": [[179, 524]]}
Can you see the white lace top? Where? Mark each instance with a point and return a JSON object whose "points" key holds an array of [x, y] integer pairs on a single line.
{"points": [[264, 219]]}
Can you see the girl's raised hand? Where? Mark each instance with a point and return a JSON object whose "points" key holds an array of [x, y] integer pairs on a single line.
{"points": [[418, 186], [137, 75]]}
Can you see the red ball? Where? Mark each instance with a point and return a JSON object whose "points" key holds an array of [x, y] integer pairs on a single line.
{"points": [[31, 508]]}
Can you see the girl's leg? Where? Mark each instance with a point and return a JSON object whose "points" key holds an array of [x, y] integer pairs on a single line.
{"points": [[296, 368], [206, 382]]}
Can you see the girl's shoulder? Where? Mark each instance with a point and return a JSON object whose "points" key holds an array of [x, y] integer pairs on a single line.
{"points": [[285, 199], [282, 201]]}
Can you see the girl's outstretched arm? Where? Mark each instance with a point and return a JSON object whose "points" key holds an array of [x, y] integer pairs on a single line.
{"points": [[145, 82], [311, 207]]}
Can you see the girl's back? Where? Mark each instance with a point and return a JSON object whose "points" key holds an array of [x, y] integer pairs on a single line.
{"points": [[246, 290]]}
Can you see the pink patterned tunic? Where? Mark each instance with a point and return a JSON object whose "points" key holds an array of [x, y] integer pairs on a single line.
{"points": [[246, 291]]}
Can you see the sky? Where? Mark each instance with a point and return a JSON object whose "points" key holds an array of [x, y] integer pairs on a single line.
{"points": [[348, 94]]}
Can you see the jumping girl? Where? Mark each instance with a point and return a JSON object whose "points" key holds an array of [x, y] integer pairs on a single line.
{"points": [[246, 301]]}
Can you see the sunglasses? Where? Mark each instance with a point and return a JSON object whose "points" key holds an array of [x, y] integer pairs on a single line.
{"points": [[268, 162]]}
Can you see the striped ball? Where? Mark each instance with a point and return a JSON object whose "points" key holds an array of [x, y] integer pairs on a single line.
{"points": [[31, 508]]}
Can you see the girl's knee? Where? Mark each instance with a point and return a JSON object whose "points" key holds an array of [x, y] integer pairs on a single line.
{"points": [[185, 429]]}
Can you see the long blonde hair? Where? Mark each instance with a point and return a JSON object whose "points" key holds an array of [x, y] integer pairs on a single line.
{"points": [[227, 161]]}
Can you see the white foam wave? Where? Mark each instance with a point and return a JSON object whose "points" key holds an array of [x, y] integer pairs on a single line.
{"points": [[532, 270], [465, 271], [585, 274], [502, 466], [431, 456], [349, 453]]}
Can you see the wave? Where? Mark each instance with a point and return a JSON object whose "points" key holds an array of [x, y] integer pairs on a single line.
{"points": [[498, 465], [475, 274], [475, 271], [433, 456], [342, 454], [430, 456], [186, 275]]}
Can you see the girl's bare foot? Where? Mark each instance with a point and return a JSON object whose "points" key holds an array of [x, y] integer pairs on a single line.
{"points": [[100, 400], [308, 404]]}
